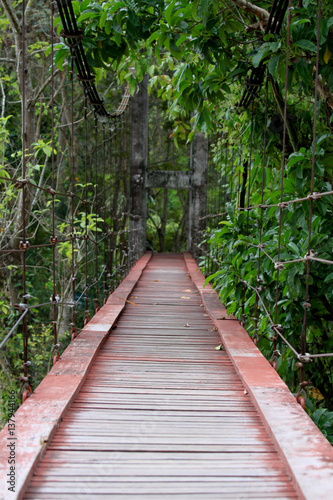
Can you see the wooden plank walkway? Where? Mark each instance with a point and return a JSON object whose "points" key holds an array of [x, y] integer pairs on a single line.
{"points": [[162, 413]]}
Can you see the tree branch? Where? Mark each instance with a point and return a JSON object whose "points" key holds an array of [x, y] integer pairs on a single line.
{"points": [[12, 17], [324, 92], [28, 8], [252, 9], [46, 83], [327, 305], [280, 103], [62, 83], [37, 51], [233, 13], [150, 217], [258, 26], [3, 101], [7, 60]]}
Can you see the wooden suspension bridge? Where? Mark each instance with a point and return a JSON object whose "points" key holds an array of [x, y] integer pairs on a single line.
{"points": [[161, 394], [143, 405]]}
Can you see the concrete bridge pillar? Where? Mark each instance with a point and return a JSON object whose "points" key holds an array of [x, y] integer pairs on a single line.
{"points": [[198, 192], [195, 180], [138, 167]]}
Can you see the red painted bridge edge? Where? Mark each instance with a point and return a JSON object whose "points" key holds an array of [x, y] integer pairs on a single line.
{"points": [[306, 453], [37, 420]]}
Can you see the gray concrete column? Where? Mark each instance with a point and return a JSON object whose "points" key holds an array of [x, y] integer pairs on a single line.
{"points": [[138, 166], [198, 192]]}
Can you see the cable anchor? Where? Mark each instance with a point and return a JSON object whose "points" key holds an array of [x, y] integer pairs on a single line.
{"points": [[304, 358], [20, 183], [24, 245], [302, 395]]}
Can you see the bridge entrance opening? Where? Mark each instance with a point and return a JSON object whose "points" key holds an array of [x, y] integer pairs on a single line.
{"points": [[167, 222]]}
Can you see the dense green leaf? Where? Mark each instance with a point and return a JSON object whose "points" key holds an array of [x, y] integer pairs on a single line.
{"points": [[306, 45]]}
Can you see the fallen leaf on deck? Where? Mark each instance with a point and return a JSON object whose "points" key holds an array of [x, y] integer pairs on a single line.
{"points": [[155, 281], [130, 302], [188, 290], [220, 347], [213, 329], [185, 297], [125, 300], [187, 325]]}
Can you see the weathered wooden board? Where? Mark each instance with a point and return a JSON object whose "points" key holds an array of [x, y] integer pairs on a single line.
{"points": [[162, 413]]}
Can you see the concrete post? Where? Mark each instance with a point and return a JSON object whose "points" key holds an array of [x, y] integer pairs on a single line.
{"points": [[198, 192], [138, 166]]}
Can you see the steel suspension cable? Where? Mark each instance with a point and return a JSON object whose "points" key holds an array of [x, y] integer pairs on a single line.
{"points": [[24, 245], [97, 305], [24, 184], [225, 176], [71, 194], [104, 218], [86, 318], [55, 349], [111, 211], [232, 172], [278, 327], [307, 303], [250, 168], [256, 308]]}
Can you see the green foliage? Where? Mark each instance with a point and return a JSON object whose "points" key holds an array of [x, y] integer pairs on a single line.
{"points": [[40, 345], [232, 245], [198, 54], [322, 418], [200, 46], [4, 133], [170, 235]]}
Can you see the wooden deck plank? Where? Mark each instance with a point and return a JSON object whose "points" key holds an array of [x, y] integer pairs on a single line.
{"points": [[162, 413]]}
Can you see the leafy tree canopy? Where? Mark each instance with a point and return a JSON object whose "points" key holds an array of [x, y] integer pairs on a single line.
{"points": [[202, 47]]}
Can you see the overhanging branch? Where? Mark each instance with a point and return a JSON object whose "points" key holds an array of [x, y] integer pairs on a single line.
{"points": [[12, 17], [262, 14]]}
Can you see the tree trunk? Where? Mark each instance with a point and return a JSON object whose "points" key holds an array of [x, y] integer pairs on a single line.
{"points": [[280, 103]]}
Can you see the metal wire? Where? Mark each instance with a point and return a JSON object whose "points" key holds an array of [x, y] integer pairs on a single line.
{"points": [[53, 238], [73, 325], [307, 297], [311, 198], [119, 216], [23, 243], [283, 163], [257, 76], [256, 310]]}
